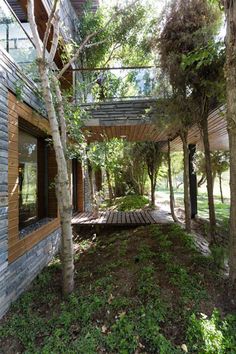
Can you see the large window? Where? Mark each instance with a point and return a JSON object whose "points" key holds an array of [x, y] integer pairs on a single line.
{"points": [[15, 38], [28, 179]]}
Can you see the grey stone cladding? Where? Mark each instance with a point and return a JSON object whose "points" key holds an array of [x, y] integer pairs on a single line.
{"points": [[17, 276]]}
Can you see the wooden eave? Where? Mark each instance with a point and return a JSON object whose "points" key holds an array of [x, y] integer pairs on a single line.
{"points": [[137, 120]]}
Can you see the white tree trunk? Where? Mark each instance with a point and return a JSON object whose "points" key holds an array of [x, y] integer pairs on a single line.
{"points": [[62, 185]]}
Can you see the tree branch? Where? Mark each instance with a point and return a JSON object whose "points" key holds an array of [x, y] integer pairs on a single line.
{"points": [[49, 24], [56, 33], [33, 26], [90, 36], [60, 111]]}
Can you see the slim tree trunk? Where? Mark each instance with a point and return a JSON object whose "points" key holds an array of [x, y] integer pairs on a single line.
{"points": [[153, 187], [230, 72], [209, 177], [221, 190], [172, 197], [109, 186], [184, 137], [62, 185]]}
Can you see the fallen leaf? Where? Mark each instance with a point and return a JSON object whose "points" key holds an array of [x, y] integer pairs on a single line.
{"points": [[104, 329], [184, 348]]}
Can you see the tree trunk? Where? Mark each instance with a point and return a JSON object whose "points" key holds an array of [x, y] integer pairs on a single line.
{"points": [[184, 136], [153, 187], [153, 199], [209, 177], [221, 190], [172, 197], [62, 186], [230, 72], [109, 186]]}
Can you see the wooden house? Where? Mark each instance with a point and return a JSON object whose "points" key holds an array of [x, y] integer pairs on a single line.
{"points": [[29, 224]]}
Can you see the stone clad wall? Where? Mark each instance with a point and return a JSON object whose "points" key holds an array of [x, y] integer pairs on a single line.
{"points": [[16, 276]]}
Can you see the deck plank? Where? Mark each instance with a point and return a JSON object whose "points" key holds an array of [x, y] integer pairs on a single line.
{"points": [[114, 218], [150, 218], [124, 217], [136, 218], [145, 218]]}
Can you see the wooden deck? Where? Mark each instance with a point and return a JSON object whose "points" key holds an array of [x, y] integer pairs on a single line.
{"points": [[119, 218]]}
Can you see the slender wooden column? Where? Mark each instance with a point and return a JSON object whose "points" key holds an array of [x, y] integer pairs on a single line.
{"points": [[192, 181]]}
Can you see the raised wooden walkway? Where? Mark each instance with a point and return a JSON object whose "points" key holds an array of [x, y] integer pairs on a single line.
{"points": [[119, 218]]}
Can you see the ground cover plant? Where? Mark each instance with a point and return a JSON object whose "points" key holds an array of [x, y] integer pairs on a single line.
{"points": [[126, 203], [143, 290]]}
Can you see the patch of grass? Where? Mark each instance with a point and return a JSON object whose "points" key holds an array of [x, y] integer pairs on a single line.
{"points": [[221, 209]]}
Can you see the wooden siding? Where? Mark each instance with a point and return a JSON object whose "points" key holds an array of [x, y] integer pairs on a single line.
{"points": [[80, 187], [17, 246], [52, 172], [98, 179]]}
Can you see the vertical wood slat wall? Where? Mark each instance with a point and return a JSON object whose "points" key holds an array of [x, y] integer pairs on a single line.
{"points": [[80, 187], [17, 246]]}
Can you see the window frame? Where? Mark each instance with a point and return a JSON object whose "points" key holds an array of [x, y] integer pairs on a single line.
{"points": [[42, 171]]}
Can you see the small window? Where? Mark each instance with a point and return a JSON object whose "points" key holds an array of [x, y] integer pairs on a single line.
{"points": [[28, 179]]}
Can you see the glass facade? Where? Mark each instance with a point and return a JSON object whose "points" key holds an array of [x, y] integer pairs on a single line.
{"points": [[28, 179], [15, 38]]}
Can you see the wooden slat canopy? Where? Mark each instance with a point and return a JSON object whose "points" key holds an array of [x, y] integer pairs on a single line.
{"points": [[218, 135], [137, 120]]}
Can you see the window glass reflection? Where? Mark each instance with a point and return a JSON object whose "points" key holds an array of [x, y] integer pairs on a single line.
{"points": [[15, 38], [28, 179]]}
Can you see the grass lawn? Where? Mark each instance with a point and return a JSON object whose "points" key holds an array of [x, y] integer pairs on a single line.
{"points": [[221, 209], [145, 290]]}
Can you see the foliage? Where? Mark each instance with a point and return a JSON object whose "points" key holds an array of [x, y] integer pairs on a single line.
{"points": [[131, 202], [209, 335], [192, 58], [136, 172], [219, 163], [123, 40], [150, 152], [219, 255]]}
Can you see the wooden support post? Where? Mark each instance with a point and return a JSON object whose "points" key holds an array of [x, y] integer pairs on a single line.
{"points": [[192, 181]]}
